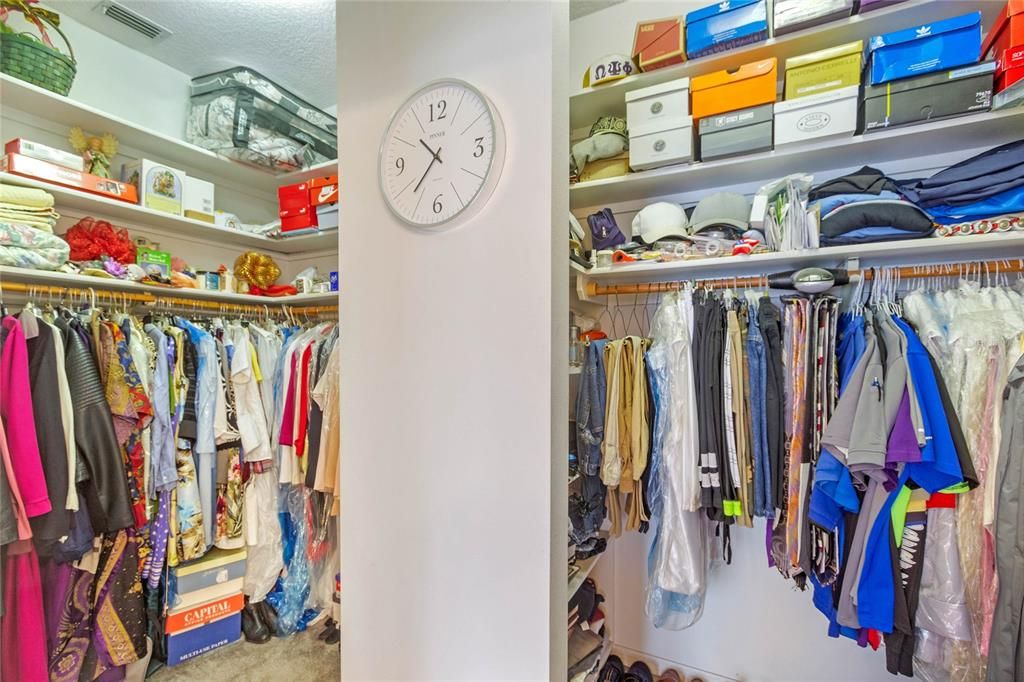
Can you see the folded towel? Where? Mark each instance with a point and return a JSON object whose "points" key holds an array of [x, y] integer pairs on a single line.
{"points": [[45, 223], [26, 247], [26, 196]]}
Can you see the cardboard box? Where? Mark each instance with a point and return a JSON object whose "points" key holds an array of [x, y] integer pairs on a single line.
{"points": [[293, 196], [868, 5], [925, 98], [155, 263], [1007, 30], [738, 132], [658, 107], [725, 25], [216, 567], [198, 199], [327, 217], [828, 115], [658, 43], [603, 169], [323, 194], [160, 187], [1009, 67], [938, 46], [663, 148], [35, 150], [1009, 98], [824, 70], [795, 15], [186, 645], [188, 617], [297, 218], [28, 167], [748, 86]]}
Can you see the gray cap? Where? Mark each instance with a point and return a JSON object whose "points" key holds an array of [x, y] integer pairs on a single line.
{"points": [[721, 210]]}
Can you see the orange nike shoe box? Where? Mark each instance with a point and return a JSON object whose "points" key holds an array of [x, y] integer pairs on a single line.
{"points": [[658, 43], [323, 190], [28, 167], [1007, 30], [749, 85]]}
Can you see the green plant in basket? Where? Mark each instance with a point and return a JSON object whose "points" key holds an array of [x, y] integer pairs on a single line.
{"points": [[35, 59]]}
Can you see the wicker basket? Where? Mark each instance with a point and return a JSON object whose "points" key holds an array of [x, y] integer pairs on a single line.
{"points": [[26, 58]]}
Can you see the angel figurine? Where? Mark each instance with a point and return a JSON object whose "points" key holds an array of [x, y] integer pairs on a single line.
{"points": [[98, 151]]}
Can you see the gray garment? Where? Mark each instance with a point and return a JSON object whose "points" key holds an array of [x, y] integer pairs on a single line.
{"points": [[869, 435], [837, 432], [896, 374], [1006, 650], [874, 500]]}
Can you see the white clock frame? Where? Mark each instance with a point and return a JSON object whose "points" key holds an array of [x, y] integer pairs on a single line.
{"points": [[491, 176]]}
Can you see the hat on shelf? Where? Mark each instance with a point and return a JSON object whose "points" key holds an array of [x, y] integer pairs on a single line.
{"points": [[660, 220], [607, 69], [725, 212]]}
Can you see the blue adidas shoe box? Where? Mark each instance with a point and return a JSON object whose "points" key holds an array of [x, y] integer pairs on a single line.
{"points": [[939, 46], [725, 25]]}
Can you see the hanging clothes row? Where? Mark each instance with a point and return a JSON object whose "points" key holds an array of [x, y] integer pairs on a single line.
{"points": [[132, 445], [874, 442]]}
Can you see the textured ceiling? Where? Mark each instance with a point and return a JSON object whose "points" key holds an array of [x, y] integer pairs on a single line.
{"points": [[580, 8], [291, 42]]}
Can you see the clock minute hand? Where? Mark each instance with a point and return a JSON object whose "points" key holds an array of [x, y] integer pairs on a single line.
{"points": [[429, 166]]}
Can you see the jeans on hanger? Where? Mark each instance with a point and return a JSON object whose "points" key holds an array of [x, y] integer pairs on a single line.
{"points": [[590, 407], [758, 378]]}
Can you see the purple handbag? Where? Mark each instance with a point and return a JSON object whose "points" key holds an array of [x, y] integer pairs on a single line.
{"points": [[604, 231]]}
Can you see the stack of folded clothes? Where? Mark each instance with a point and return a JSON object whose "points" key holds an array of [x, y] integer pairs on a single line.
{"points": [[866, 206], [984, 186], [27, 219]]}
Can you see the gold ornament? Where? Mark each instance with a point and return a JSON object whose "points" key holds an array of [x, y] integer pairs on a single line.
{"points": [[257, 268]]}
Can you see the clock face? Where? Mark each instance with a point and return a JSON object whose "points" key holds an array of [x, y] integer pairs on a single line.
{"points": [[441, 155]]}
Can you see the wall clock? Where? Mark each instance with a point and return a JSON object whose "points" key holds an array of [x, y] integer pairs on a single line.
{"points": [[442, 155]]}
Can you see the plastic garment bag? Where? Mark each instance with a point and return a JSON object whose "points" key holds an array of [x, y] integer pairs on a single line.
{"points": [[678, 560], [942, 616], [263, 536]]}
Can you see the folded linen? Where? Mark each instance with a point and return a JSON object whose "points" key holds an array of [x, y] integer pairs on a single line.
{"points": [[26, 196]]}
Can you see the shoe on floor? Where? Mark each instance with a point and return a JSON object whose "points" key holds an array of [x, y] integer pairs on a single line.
{"points": [[334, 637], [639, 672], [269, 616], [671, 675], [253, 627], [612, 671]]}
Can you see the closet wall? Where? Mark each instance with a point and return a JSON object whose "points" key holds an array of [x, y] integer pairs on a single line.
{"points": [[454, 364], [755, 626]]}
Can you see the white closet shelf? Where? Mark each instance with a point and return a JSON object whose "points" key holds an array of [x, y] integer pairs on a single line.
{"points": [[143, 218], [63, 279], [49, 106], [1009, 245], [586, 566], [965, 132], [587, 105]]}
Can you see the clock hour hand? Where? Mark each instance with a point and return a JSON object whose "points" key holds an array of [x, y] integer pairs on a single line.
{"points": [[436, 155]]}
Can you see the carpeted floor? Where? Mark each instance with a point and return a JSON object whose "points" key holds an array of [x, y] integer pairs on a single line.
{"points": [[299, 658]]}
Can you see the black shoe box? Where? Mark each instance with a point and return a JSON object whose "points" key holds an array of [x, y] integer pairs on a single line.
{"points": [[965, 90]]}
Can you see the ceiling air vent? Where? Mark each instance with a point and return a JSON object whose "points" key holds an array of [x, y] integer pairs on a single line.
{"points": [[133, 20]]}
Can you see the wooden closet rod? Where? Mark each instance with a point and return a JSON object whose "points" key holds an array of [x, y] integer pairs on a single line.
{"points": [[992, 267], [227, 307]]}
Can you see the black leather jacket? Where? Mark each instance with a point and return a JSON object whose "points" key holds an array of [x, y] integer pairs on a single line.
{"points": [[105, 487]]}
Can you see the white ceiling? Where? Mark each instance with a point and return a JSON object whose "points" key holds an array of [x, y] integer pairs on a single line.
{"points": [[292, 42], [581, 8]]}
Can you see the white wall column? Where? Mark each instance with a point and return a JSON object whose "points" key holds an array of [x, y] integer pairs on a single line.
{"points": [[454, 347]]}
